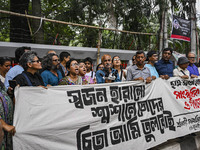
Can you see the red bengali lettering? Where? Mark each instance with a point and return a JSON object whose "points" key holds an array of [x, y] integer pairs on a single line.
{"points": [[193, 92]]}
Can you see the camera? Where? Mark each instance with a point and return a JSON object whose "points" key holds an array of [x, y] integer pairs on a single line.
{"points": [[110, 76]]}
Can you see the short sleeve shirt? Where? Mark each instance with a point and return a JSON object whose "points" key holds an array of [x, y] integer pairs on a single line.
{"points": [[152, 70], [134, 72], [50, 78]]}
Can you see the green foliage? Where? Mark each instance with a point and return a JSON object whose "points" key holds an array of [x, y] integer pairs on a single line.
{"points": [[4, 21], [130, 15]]}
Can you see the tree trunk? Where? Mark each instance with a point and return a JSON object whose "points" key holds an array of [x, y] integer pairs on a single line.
{"points": [[19, 30], [165, 39], [37, 29], [193, 27]]}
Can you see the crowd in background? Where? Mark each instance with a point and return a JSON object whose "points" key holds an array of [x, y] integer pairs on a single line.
{"points": [[53, 70]]}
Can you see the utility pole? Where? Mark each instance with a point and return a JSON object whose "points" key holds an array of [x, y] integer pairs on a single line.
{"points": [[193, 26], [161, 35]]}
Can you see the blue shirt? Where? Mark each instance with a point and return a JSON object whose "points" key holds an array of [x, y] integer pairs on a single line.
{"points": [[49, 78], [152, 70], [13, 72], [193, 70], [100, 74], [164, 68]]}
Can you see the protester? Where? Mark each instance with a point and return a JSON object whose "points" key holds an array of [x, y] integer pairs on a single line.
{"points": [[51, 75], [51, 52], [64, 58], [165, 66], [99, 67], [133, 62], [192, 68], [182, 71], [82, 71], [152, 57], [6, 118], [17, 69], [117, 65], [139, 71], [5, 64], [88, 63], [108, 74], [73, 77], [30, 76]]}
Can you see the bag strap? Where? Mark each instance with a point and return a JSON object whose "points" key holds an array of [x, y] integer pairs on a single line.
{"points": [[183, 72], [27, 79], [92, 74], [121, 74]]}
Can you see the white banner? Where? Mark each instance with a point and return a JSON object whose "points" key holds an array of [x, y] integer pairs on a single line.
{"points": [[129, 115]]}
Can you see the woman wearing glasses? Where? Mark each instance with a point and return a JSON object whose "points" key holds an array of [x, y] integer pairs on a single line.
{"points": [[117, 65], [30, 76], [72, 77], [51, 74]]}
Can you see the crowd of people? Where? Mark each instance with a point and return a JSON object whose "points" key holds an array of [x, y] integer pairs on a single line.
{"points": [[53, 70]]}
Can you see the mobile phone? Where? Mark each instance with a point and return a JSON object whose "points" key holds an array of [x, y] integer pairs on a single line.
{"points": [[12, 83]]}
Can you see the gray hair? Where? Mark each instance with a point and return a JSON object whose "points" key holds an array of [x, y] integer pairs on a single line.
{"points": [[27, 57], [47, 62], [191, 53]]}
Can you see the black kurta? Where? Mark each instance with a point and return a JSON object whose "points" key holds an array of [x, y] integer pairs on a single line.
{"points": [[35, 79]]}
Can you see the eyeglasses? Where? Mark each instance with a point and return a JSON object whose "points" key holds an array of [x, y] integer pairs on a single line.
{"points": [[35, 61], [75, 64], [56, 60], [116, 59], [191, 57]]}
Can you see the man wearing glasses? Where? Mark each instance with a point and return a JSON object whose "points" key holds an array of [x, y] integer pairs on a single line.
{"points": [[51, 75], [108, 74], [133, 62], [194, 73]]}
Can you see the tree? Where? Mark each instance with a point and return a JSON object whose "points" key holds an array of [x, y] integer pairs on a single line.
{"points": [[19, 30], [37, 24], [4, 21]]}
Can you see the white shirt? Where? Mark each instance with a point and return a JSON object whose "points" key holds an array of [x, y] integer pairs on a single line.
{"points": [[90, 74], [178, 72]]}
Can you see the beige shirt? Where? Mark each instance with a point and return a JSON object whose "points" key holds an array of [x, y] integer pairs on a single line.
{"points": [[178, 72]]}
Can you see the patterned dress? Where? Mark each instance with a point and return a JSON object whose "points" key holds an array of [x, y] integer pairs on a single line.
{"points": [[6, 113], [68, 81]]}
